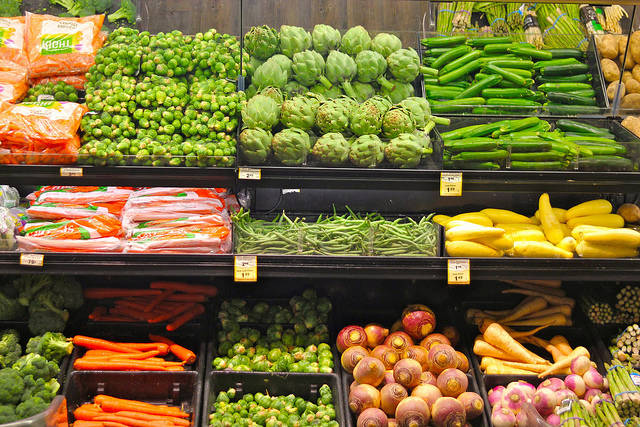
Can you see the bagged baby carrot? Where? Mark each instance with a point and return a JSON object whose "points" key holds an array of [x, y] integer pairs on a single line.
{"points": [[12, 41], [58, 46], [13, 85]]}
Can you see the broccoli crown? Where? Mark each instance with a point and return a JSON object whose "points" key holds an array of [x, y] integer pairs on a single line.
{"points": [[127, 11], [31, 407], [36, 365], [10, 7], [52, 345], [70, 290], [10, 308], [10, 349], [7, 414], [42, 320], [30, 285], [49, 300], [45, 390], [101, 6], [11, 386]]}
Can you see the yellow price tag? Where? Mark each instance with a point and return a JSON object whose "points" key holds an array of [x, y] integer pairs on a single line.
{"points": [[249, 173], [451, 184], [71, 172], [458, 272], [245, 268], [32, 260]]}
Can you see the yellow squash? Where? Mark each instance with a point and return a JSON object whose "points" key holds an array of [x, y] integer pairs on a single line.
{"points": [[468, 231], [550, 223], [615, 237], [527, 235], [503, 216], [501, 243], [568, 244], [539, 250], [473, 217], [590, 250], [470, 249], [580, 230], [510, 228], [600, 220], [592, 207], [561, 214], [441, 219]]}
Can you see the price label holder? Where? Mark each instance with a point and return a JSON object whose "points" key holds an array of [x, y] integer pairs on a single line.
{"points": [[32, 260], [245, 268], [458, 272], [250, 173], [451, 184], [290, 191], [71, 172]]}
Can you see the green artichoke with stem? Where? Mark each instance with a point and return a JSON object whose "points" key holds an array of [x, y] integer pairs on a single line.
{"points": [[332, 92], [363, 91], [299, 112], [396, 121], [325, 39], [269, 74], [273, 93], [341, 69], [261, 112], [417, 108], [262, 42], [308, 68], [355, 40], [291, 146], [255, 145], [331, 149], [293, 88], [253, 64], [385, 44], [367, 151], [371, 68], [333, 115], [366, 118], [406, 150], [404, 65], [399, 92], [284, 62], [294, 39]]}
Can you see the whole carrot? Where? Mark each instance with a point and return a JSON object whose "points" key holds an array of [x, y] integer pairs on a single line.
{"points": [[87, 412], [208, 290], [114, 404], [149, 417], [97, 312], [100, 344], [157, 300], [103, 293], [182, 353], [162, 348], [161, 339], [116, 365], [132, 422], [83, 423], [129, 356], [173, 313], [184, 318]]}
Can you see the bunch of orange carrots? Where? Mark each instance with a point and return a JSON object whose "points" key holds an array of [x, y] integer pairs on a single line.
{"points": [[173, 302], [114, 356], [108, 411]]}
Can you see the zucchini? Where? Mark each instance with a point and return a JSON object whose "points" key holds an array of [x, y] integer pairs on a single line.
{"points": [[580, 127], [587, 138], [610, 137], [471, 165], [485, 111], [480, 156], [577, 78], [605, 163], [571, 99], [524, 146], [563, 87], [512, 63], [572, 110], [443, 41], [471, 144], [539, 156], [564, 70], [600, 148], [455, 105], [497, 48], [522, 73], [437, 51], [566, 61], [560, 53], [483, 41], [459, 62], [450, 55], [477, 87], [508, 93], [539, 166], [585, 92]]}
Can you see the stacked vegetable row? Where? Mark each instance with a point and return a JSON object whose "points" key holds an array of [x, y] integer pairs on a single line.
{"points": [[600, 309], [495, 75], [531, 144], [625, 346]]}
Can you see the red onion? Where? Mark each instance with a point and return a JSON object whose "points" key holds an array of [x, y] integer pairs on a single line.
{"points": [[580, 365], [363, 396], [441, 357], [463, 362], [452, 333], [427, 378], [419, 354], [545, 401], [593, 379], [407, 373], [503, 418], [429, 393], [473, 404], [352, 356], [433, 339], [413, 412], [452, 382], [390, 396], [388, 377], [370, 371], [576, 384], [372, 417], [350, 336], [398, 341], [386, 354], [448, 412], [495, 395], [375, 334], [420, 322]]}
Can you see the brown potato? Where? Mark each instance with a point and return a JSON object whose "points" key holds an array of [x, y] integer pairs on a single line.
{"points": [[634, 46], [610, 70], [633, 124], [608, 46], [632, 86], [629, 63], [622, 44], [626, 76], [631, 101], [636, 72], [611, 90]]}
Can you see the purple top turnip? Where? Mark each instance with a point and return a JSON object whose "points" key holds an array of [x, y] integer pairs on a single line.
{"points": [[503, 418], [576, 384], [545, 401], [495, 394]]}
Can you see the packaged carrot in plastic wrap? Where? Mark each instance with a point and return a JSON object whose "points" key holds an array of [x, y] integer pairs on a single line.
{"points": [[12, 47], [80, 194], [81, 229], [13, 84], [64, 211], [39, 244], [197, 240], [57, 46], [76, 80], [214, 220]]}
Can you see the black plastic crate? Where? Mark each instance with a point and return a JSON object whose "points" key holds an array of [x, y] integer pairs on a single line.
{"points": [[603, 336], [181, 389], [305, 386]]}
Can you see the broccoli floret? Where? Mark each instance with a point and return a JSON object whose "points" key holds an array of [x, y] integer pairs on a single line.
{"points": [[7, 414], [31, 407], [42, 320], [10, 349], [10, 308], [52, 345], [45, 390], [83, 8], [11, 386], [127, 11], [49, 300], [10, 7], [70, 290], [36, 365], [29, 285], [102, 6], [67, 4]]}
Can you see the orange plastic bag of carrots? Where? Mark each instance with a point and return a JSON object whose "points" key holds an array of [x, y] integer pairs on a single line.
{"points": [[13, 85], [12, 41], [58, 46]]}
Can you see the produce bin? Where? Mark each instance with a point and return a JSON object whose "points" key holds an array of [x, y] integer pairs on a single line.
{"points": [[305, 386], [603, 336], [181, 389]]}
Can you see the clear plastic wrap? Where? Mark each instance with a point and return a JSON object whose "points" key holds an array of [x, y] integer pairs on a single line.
{"points": [[61, 211], [12, 41], [209, 240], [38, 244], [80, 194], [95, 227]]}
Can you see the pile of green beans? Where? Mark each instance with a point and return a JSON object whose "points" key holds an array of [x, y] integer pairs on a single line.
{"points": [[336, 235]]}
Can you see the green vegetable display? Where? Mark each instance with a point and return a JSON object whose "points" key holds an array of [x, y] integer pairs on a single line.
{"points": [[60, 91], [92, 7], [10, 349], [229, 409], [626, 345], [10, 8]]}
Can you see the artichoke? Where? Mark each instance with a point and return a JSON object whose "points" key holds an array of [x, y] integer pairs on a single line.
{"points": [[262, 42], [398, 120], [406, 150], [332, 92], [294, 39], [284, 62], [255, 145], [420, 109], [273, 93], [269, 74], [355, 40], [299, 112], [371, 68], [367, 151], [333, 115], [291, 146], [363, 91], [404, 64], [385, 44], [293, 88], [366, 118], [261, 112], [253, 64], [250, 91], [399, 92], [341, 69], [332, 149], [325, 39], [308, 68]]}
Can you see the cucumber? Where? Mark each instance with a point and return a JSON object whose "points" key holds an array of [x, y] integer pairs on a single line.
{"points": [[524, 146], [480, 156], [471, 144], [606, 163], [540, 156], [538, 166]]}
